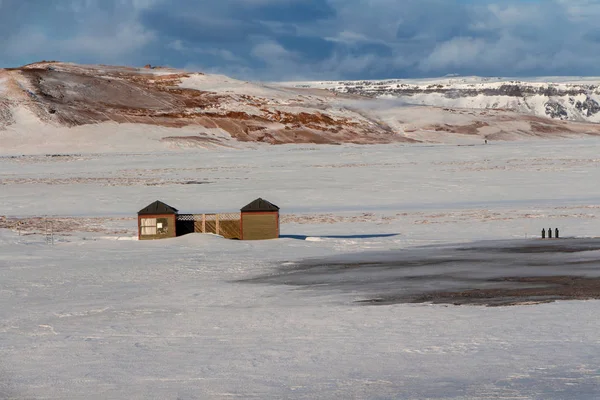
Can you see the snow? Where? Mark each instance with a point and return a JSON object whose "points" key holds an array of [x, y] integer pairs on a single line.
{"points": [[225, 84], [477, 93], [211, 82], [3, 82], [266, 96], [29, 135], [463, 80], [98, 318]]}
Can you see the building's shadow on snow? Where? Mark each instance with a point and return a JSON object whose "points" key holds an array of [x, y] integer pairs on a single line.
{"points": [[373, 236]]}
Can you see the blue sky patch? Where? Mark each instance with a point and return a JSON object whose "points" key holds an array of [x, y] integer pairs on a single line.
{"points": [[310, 39]]}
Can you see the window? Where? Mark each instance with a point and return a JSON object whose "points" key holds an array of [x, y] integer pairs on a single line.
{"points": [[148, 226]]}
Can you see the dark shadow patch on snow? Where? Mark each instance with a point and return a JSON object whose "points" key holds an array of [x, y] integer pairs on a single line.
{"points": [[488, 273], [373, 236]]}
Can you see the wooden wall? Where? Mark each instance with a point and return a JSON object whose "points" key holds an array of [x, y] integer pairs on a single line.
{"points": [[260, 225], [165, 227]]}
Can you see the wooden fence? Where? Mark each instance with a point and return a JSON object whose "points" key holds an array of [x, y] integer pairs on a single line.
{"points": [[226, 225]]}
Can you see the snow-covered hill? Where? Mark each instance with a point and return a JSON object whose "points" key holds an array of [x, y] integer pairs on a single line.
{"points": [[54, 102], [574, 99], [62, 107]]}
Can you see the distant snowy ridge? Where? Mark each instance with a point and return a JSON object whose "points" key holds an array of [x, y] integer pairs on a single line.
{"points": [[563, 98]]}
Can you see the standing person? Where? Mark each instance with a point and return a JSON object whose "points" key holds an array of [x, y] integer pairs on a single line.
{"points": [[549, 233], [543, 233], [556, 233]]}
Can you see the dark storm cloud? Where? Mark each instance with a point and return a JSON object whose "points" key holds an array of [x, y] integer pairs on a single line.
{"points": [[199, 28], [311, 39], [291, 11], [309, 48]]}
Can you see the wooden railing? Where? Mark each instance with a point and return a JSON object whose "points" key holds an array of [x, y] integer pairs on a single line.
{"points": [[227, 225]]}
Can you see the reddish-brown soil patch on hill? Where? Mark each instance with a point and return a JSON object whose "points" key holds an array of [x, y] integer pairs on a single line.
{"points": [[72, 95]]}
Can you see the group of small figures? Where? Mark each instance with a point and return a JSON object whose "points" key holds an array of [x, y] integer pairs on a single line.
{"points": [[556, 233]]}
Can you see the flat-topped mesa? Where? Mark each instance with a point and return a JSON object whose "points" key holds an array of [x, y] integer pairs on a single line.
{"points": [[574, 99]]}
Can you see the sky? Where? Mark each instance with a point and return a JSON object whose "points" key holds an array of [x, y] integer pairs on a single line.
{"points": [[275, 40]]}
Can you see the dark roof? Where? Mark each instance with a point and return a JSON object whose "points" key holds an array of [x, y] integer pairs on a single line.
{"points": [[260, 205], [158, 207]]}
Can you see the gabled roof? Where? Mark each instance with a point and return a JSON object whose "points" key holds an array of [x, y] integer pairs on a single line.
{"points": [[260, 205], [158, 207]]}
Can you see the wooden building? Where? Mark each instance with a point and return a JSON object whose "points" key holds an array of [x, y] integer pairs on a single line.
{"points": [[157, 221], [259, 221]]}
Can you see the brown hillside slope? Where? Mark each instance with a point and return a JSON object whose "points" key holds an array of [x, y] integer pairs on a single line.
{"points": [[69, 96], [74, 95]]}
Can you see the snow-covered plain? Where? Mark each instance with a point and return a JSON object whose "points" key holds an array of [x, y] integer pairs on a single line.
{"points": [[96, 317]]}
